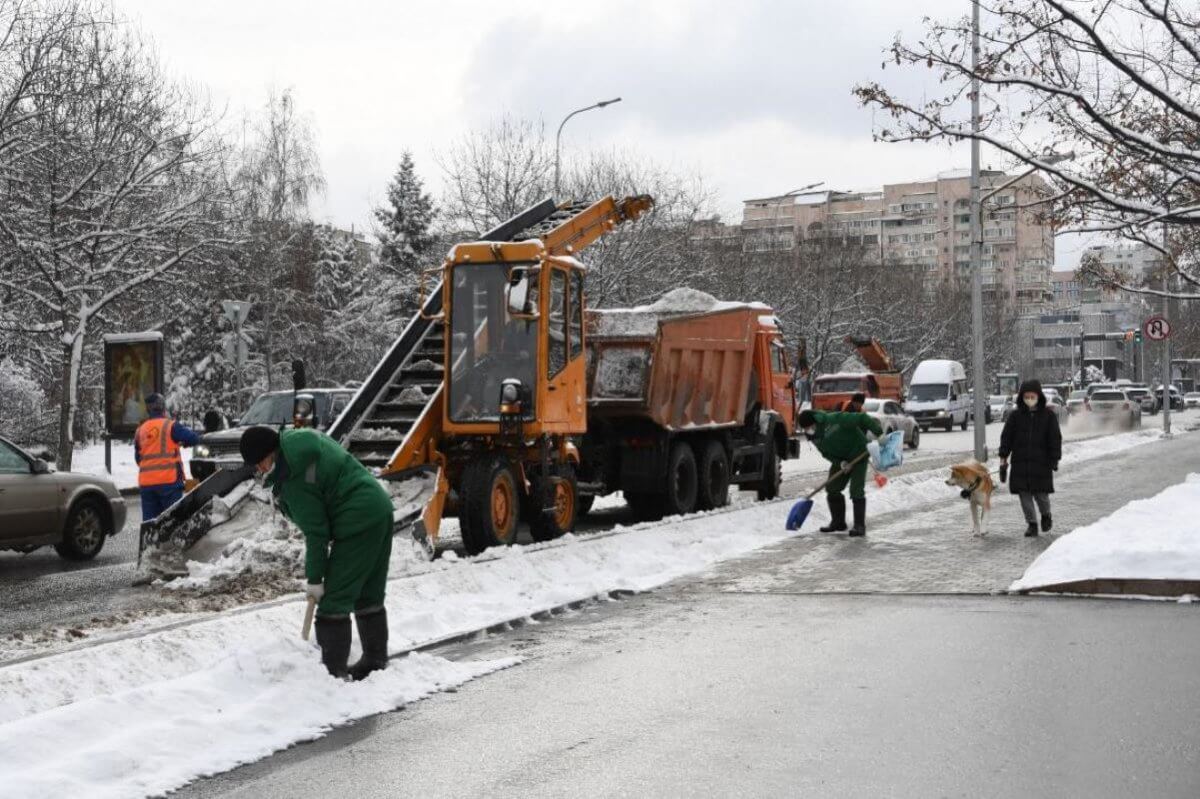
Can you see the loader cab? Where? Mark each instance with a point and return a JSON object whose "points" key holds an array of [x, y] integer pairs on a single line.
{"points": [[514, 344]]}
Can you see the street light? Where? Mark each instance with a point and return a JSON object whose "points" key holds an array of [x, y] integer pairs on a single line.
{"points": [[558, 136]]}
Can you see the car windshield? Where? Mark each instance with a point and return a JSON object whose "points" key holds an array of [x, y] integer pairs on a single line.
{"points": [[927, 392], [872, 406], [1138, 393], [996, 399], [838, 385], [1108, 395], [272, 409], [487, 345]]}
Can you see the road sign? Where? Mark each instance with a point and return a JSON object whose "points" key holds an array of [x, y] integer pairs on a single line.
{"points": [[235, 310], [1157, 328]]}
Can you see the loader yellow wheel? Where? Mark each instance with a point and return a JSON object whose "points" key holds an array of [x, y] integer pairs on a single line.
{"points": [[490, 504], [559, 518]]}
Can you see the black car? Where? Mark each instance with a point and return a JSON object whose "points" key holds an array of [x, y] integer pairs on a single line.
{"points": [[219, 448]]}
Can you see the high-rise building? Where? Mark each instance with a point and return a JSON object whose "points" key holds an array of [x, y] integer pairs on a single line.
{"points": [[925, 225]]}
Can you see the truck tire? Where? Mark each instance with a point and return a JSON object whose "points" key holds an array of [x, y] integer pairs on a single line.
{"points": [[545, 526], [645, 507], [84, 532], [713, 491], [768, 487], [491, 504], [682, 480]]}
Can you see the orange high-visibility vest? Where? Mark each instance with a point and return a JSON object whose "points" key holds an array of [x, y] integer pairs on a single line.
{"points": [[160, 464]]}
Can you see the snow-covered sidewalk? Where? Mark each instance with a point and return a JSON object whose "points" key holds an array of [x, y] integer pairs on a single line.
{"points": [[1155, 539]]}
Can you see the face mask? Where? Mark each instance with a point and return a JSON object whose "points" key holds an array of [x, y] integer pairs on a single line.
{"points": [[1031, 402]]}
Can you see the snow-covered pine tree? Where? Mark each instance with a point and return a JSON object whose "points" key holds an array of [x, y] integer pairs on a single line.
{"points": [[404, 232]]}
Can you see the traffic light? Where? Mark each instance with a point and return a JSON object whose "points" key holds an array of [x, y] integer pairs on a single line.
{"points": [[1137, 336]]}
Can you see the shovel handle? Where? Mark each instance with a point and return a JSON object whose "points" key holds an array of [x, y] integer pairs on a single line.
{"points": [[306, 628], [844, 470]]}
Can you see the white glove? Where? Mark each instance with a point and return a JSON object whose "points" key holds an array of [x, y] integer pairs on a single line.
{"points": [[315, 591]]}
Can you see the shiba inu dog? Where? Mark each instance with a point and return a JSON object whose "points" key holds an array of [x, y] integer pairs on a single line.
{"points": [[977, 486]]}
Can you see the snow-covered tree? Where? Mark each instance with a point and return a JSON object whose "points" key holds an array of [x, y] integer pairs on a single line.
{"points": [[404, 228], [113, 182]]}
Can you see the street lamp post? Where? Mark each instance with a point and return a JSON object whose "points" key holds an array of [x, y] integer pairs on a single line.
{"points": [[558, 136]]}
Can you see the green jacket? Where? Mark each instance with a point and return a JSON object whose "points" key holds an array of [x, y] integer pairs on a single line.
{"points": [[841, 436], [327, 493]]}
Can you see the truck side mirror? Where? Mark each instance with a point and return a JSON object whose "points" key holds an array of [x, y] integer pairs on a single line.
{"points": [[518, 294]]}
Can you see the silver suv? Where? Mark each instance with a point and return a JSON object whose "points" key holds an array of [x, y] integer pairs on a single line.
{"points": [[40, 507]]}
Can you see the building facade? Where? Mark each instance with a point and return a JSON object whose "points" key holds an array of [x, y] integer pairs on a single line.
{"points": [[927, 225]]}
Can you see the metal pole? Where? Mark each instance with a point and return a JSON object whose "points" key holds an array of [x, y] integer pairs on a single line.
{"points": [[976, 247], [237, 360], [558, 136], [1166, 357]]}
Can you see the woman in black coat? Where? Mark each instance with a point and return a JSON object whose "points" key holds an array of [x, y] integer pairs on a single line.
{"points": [[1032, 439]]}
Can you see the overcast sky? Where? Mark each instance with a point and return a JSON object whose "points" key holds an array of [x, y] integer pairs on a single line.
{"points": [[753, 96]]}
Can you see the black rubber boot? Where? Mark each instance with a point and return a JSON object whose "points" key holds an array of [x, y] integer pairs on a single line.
{"points": [[1031, 531], [1047, 523], [373, 634], [333, 636], [837, 513], [860, 517]]}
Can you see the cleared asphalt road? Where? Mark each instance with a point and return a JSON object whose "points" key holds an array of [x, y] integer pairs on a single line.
{"points": [[743, 682]]}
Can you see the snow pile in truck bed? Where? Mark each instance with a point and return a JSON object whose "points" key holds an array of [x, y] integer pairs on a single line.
{"points": [[621, 373], [1148, 539], [642, 321]]}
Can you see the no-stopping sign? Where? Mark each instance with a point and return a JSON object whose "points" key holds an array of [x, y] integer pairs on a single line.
{"points": [[1157, 328]]}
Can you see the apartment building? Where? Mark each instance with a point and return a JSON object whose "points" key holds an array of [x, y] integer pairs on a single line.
{"points": [[925, 225]]}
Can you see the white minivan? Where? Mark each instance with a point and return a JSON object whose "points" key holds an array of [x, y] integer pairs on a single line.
{"points": [[937, 395]]}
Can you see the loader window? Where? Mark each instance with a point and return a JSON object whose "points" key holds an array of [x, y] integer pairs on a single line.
{"points": [[576, 314], [487, 345], [778, 360], [557, 323]]}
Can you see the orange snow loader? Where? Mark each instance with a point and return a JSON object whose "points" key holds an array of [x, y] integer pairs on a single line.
{"points": [[832, 392]]}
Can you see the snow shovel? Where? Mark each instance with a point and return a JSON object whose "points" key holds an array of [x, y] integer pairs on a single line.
{"points": [[306, 628], [802, 507]]}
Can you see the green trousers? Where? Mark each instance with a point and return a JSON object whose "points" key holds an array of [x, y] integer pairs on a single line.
{"points": [[356, 577], [857, 478]]}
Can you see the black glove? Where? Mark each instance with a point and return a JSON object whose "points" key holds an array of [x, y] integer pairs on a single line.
{"points": [[1004, 473], [1054, 466]]}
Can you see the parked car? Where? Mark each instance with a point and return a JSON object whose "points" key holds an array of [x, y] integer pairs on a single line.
{"points": [[1059, 406], [1114, 404], [219, 449], [74, 513], [997, 403], [1076, 400], [892, 417], [1094, 387], [1177, 403], [1192, 399]]}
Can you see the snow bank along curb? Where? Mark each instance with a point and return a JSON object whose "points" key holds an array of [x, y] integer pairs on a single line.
{"points": [[1147, 547]]}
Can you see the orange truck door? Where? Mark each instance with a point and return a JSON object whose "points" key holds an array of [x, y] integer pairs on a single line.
{"points": [[783, 387], [564, 410]]}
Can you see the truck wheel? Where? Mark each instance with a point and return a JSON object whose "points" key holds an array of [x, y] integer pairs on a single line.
{"points": [[583, 505], [916, 438], [491, 504], [682, 480], [768, 487], [645, 507], [964, 422], [714, 477], [544, 526], [84, 533]]}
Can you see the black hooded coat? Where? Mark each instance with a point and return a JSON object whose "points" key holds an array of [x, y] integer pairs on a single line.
{"points": [[1032, 442]]}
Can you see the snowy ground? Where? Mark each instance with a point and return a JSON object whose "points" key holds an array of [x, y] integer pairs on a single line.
{"points": [[89, 459], [1148, 539], [202, 697]]}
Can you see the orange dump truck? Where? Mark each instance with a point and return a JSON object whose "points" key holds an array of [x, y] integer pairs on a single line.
{"points": [[686, 397], [832, 391]]}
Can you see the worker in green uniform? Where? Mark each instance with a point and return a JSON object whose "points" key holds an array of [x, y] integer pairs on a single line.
{"points": [[346, 518], [842, 437]]}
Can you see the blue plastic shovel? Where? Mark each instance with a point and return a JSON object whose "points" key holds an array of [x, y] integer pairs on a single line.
{"points": [[801, 509]]}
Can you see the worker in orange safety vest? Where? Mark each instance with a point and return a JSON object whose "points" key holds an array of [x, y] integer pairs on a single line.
{"points": [[160, 466]]}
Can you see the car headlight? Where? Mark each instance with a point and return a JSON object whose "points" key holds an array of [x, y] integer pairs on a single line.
{"points": [[201, 451], [941, 413]]}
